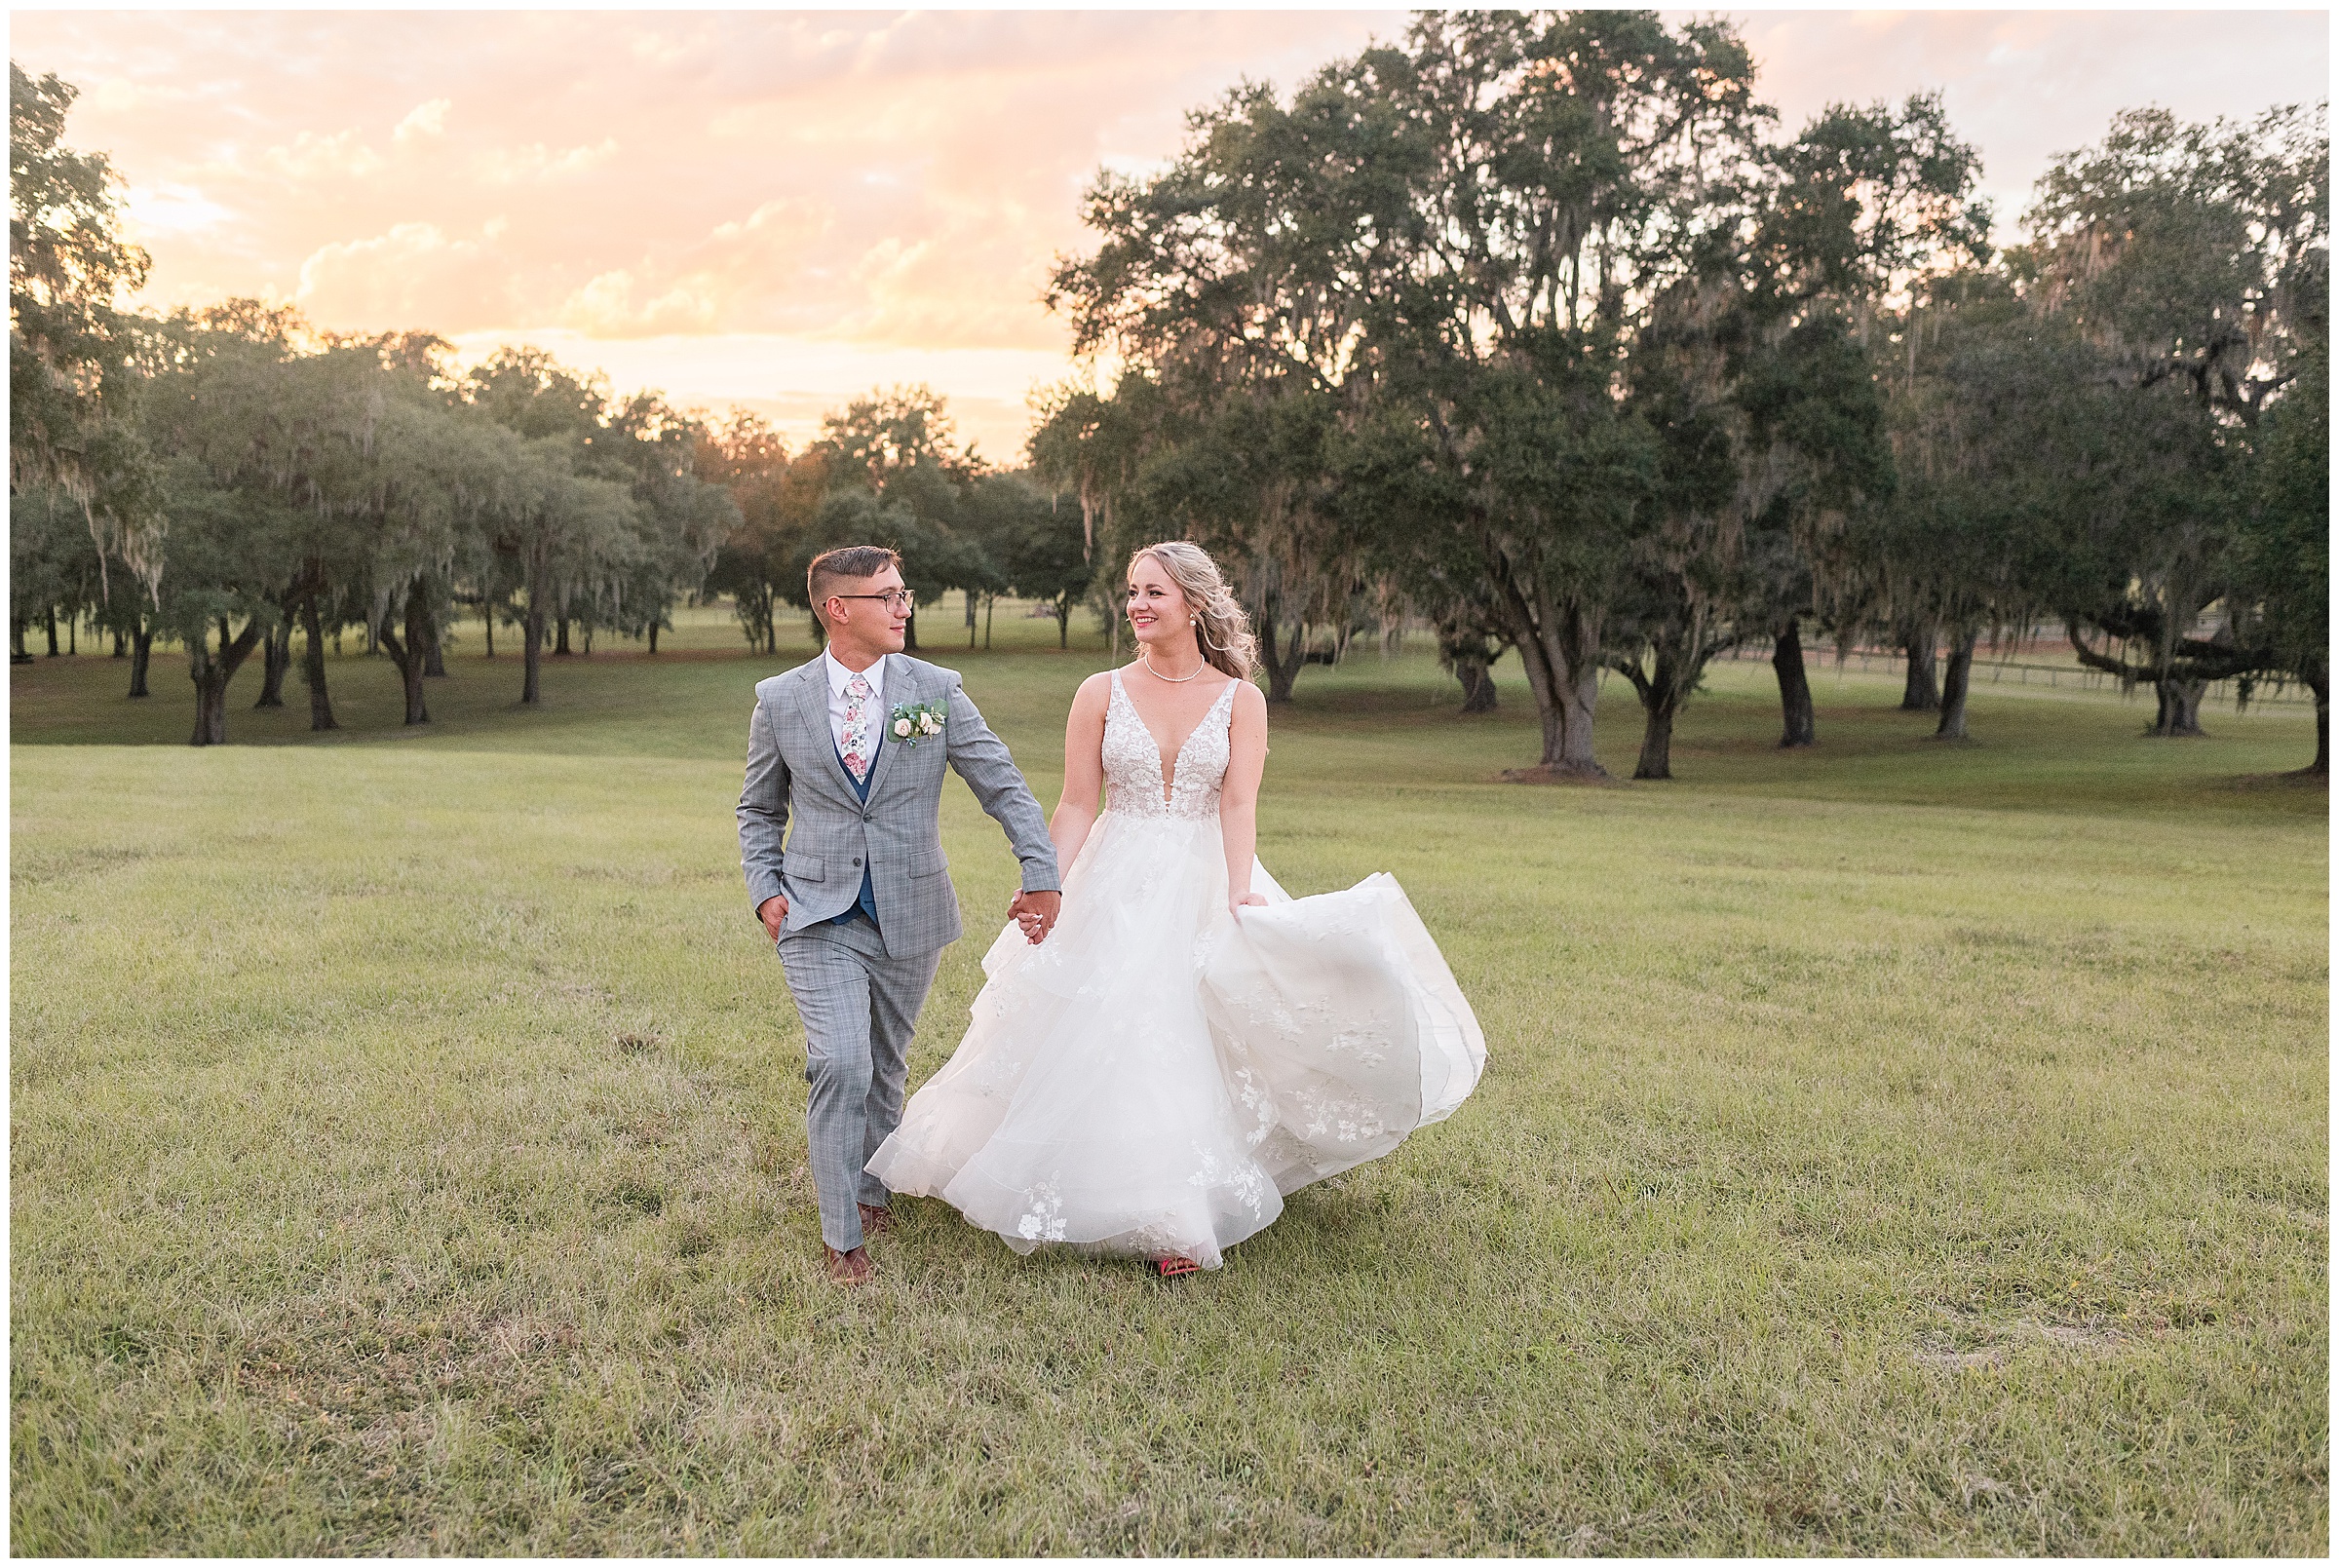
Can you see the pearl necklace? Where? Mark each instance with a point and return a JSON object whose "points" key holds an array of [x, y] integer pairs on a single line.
{"points": [[1176, 680]]}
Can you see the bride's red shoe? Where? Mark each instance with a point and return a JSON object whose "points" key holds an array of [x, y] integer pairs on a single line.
{"points": [[1172, 1268]]}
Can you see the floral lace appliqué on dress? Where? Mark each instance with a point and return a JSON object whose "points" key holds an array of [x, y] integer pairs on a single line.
{"points": [[1133, 762]]}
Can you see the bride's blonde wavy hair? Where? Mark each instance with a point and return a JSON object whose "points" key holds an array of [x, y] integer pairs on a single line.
{"points": [[1222, 627]]}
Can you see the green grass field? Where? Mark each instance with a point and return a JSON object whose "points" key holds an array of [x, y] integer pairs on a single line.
{"points": [[1887, 1149]]}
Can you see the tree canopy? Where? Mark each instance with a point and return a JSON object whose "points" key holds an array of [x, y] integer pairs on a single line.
{"points": [[1540, 322], [1538, 326]]}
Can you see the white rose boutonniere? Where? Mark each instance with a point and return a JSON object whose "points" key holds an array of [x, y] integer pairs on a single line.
{"points": [[912, 722]]}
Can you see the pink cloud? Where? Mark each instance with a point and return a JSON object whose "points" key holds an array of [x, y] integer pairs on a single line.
{"points": [[793, 204], [414, 272]]}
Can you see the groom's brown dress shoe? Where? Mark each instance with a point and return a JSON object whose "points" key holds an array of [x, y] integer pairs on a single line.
{"points": [[849, 1268], [876, 1221]]}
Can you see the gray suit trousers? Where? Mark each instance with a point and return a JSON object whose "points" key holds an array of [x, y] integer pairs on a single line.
{"points": [[860, 1010]]}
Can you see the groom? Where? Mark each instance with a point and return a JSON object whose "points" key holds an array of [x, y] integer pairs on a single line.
{"points": [[859, 903]]}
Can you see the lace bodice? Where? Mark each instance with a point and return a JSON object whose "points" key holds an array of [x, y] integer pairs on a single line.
{"points": [[1133, 762]]}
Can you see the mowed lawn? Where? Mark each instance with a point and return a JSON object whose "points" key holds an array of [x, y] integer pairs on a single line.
{"points": [[1885, 1148]]}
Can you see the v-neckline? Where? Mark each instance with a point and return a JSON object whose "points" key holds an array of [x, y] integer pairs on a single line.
{"points": [[1165, 768]]}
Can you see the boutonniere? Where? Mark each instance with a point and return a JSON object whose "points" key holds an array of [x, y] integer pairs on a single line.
{"points": [[913, 722]]}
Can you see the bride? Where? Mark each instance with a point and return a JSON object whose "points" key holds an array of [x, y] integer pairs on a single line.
{"points": [[1191, 1043]]}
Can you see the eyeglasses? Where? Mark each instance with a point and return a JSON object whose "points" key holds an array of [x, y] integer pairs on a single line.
{"points": [[896, 599]]}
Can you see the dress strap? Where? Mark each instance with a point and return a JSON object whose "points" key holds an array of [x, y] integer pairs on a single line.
{"points": [[1226, 699]]}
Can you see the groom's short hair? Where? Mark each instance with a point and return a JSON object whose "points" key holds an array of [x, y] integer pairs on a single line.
{"points": [[831, 567]]}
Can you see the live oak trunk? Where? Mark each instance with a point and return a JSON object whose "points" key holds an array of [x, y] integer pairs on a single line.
{"points": [[560, 639], [1675, 660], [1957, 683], [121, 643], [1921, 692], [653, 638], [909, 634], [1559, 643], [276, 656], [211, 672], [2179, 678], [1660, 704], [142, 654], [1282, 657], [754, 604], [2178, 707], [532, 641], [321, 702], [433, 654], [1794, 689], [15, 641], [1477, 684], [406, 652], [1064, 624], [49, 623]]}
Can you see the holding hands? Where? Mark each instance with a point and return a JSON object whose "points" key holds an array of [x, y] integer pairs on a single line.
{"points": [[1036, 913]]}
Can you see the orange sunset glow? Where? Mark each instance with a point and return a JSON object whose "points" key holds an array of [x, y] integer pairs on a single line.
{"points": [[780, 209]]}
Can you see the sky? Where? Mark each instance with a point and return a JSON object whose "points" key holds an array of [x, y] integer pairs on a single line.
{"points": [[783, 209]]}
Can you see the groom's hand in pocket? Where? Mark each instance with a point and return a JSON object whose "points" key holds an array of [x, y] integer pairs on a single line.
{"points": [[772, 911]]}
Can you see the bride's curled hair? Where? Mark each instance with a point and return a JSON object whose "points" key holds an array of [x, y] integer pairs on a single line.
{"points": [[1223, 627]]}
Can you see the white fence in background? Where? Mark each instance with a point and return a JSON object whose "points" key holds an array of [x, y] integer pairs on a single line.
{"points": [[2008, 672]]}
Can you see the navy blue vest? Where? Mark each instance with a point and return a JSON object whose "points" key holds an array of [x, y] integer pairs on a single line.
{"points": [[867, 904]]}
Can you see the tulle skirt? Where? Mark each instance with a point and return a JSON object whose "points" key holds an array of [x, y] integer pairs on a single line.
{"points": [[1155, 1076]]}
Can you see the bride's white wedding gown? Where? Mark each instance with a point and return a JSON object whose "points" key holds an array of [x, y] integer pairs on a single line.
{"points": [[1152, 1079]]}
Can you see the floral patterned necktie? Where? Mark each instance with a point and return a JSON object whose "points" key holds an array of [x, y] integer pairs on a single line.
{"points": [[857, 728]]}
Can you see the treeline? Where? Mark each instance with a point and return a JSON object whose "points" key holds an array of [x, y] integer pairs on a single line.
{"points": [[222, 477], [1537, 325], [888, 469]]}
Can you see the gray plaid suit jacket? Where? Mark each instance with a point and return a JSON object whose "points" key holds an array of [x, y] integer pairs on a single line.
{"points": [[793, 772]]}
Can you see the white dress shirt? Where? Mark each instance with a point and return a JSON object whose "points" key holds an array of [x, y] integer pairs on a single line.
{"points": [[874, 712]]}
